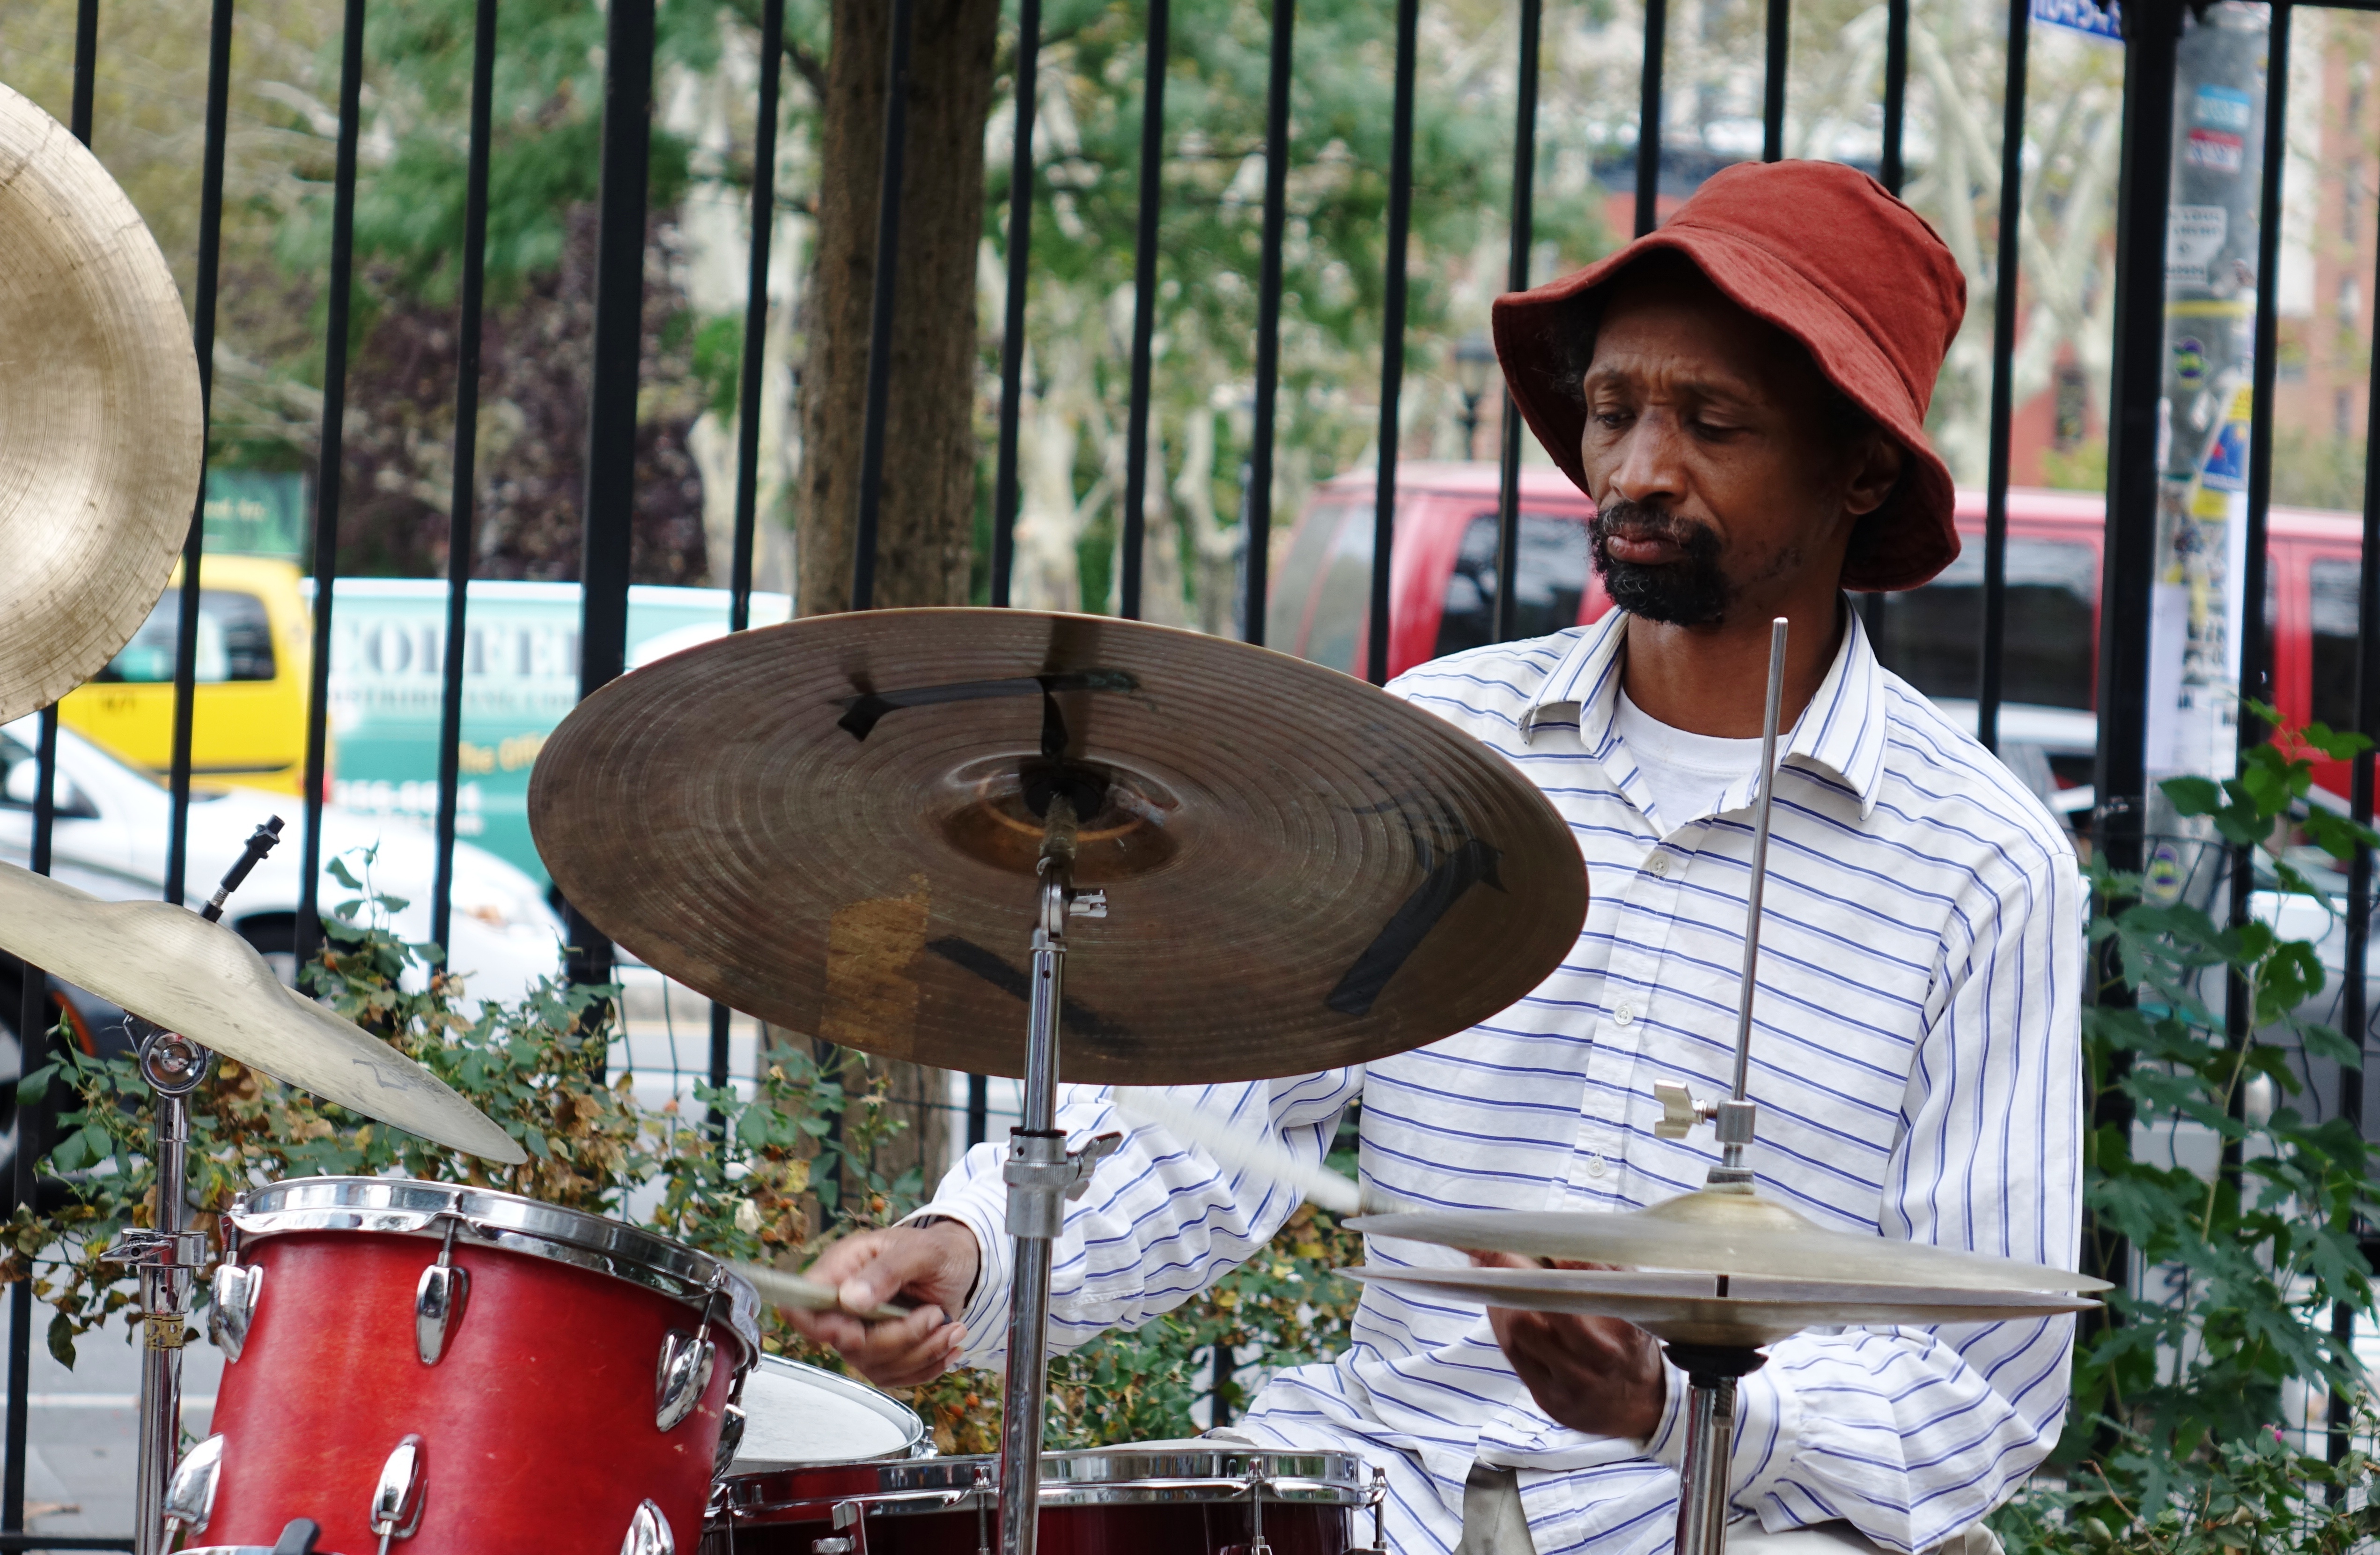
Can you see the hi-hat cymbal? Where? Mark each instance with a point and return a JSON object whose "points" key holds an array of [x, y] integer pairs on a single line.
{"points": [[167, 965], [101, 433], [1722, 1232], [832, 825], [1693, 1309]]}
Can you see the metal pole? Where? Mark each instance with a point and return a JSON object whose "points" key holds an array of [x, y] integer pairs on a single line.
{"points": [[879, 313], [1257, 502], [979, 1110], [1516, 279], [1004, 492], [1892, 172], [1772, 97], [1392, 340], [1033, 1219], [460, 501], [164, 1296], [1648, 117], [309, 928], [610, 504], [2005, 292], [755, 320], [203, 334], [33, 1034], [1144, 310], [1710, 1443]]}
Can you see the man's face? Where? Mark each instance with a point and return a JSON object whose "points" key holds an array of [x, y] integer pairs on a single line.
{"points": [[1723, 484]]}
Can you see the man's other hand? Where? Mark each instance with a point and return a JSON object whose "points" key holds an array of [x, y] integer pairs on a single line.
{"points": [[932, 1265], [1596, 1374]]}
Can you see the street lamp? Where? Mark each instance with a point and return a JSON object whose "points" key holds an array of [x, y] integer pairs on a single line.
{"points": [[1474, 358]]}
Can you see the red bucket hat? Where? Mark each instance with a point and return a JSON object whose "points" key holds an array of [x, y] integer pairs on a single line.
{"points": [[1822, 251]]}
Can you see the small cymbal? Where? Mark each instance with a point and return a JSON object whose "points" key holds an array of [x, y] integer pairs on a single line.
{"points": [[1722, 1232], [832, 825], [167, 965], [101, 433], [1691, 1308]]}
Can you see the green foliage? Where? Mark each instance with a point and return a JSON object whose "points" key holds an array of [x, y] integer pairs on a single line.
{"points": [[2173, 1443]]}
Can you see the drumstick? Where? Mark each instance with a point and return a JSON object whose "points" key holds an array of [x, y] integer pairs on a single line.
{"points": [[1243, 1149], [781, 1289]]}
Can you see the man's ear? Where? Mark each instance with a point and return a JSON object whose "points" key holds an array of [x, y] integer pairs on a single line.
{"points": [[1876, 460]]}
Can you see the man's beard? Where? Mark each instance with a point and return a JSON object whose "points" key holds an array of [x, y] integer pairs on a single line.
{"points": [[1691, 591]]}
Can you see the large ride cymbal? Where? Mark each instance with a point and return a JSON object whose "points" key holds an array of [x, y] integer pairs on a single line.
{"points": [[100, 426], [1722, 1232], [832, 825], [1696, 1309], [167, 965]]}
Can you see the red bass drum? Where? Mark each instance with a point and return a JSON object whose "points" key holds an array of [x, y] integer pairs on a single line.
{"points": [[461, 1372]]}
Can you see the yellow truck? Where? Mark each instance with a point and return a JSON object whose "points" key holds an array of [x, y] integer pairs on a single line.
{"points": [[255, 648]]}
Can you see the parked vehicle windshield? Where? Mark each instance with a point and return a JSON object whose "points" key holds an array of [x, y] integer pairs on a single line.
{"points": [[1550, 581], [1931, 636]]}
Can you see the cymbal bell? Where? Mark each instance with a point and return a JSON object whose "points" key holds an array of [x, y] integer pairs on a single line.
{"points": [[1721, 1310], [101, 430], [167, 965], [833, 825], [1722, 1230]]}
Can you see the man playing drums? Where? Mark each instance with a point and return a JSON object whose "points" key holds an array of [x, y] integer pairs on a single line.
{"points": [[1742, 393]]}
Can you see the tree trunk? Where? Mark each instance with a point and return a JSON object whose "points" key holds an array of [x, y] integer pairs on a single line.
{"points": [[927, 511]]}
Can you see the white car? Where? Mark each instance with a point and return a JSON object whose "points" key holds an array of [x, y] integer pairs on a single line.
{"points": [[110, 840]]}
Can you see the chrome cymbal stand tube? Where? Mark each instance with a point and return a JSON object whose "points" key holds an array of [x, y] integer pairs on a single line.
{"points": [[1712, 1372], [1041, 1176]]}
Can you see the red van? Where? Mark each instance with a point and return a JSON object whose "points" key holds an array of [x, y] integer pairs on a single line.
{"points": [[1442, 584]]}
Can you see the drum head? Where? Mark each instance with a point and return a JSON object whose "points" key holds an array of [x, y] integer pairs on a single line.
{"points": [[797, 1415]]}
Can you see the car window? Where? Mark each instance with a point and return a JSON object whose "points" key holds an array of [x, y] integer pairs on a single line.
{"points": [[1343, 606], [235, 641], [1293, 583], [1932, 637], [20, 782], [2338, 592], [1550, 580]]}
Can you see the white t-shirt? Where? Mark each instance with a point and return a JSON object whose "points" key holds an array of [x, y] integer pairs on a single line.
{"points": [[1687, 773]]}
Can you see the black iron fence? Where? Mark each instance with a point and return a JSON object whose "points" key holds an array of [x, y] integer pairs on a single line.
{"points": [[2154, 33]]}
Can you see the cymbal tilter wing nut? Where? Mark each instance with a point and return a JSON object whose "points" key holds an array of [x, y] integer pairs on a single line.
{"points": [[1680, 1110]]}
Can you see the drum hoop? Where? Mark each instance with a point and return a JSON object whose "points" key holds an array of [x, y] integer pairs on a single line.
{"points": [[508, 1222], [926, 1486]]}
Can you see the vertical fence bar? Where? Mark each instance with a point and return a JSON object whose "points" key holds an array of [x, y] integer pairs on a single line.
{"points": [[2253, 671], [1648, 115], [1004, 492], [747, 402], [879, 313], [327, 477], [461, 499], [2129, 554], [609, 502], [1392, 340], [1144, 308], [1892, 171], [32, 1014], [203, 331], [1772, 96], [979, 1110], [1516, 279], [2004, 305], [1256, 503], [2354, 991]]}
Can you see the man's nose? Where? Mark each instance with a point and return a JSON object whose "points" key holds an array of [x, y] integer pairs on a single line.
{"points": [[1651, 468]]}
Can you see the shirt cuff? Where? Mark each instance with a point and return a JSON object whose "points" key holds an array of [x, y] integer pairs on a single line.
{"points": [[982, 1207], [1667, 1444]]}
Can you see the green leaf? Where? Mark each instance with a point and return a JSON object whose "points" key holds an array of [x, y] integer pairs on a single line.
{"points": [[33, 1087], [62, 1340], [337, 869]]}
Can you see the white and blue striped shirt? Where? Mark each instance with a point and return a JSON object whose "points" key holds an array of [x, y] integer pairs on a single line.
{"points": [[1915, 1058]]}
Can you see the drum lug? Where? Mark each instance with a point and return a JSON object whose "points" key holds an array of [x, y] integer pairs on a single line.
{"points": [[649, 1533], [237, 1289], [398, 1499], [438, 1301], [680, 1379], [731, 1437], [847, 1515], [190, 1494]]}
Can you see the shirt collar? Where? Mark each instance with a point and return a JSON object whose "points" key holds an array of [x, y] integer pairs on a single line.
{"points": [[1841, 732]]}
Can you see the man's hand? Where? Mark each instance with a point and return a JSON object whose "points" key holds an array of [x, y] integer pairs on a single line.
{"points": [[1596, 1374], [932, 1265]]}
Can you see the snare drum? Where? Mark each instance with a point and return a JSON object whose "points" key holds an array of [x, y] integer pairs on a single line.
{"points": [[483, 1372], [796, 1415], [1154, 1499]]}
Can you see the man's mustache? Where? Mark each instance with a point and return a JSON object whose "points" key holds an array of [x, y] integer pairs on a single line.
{"points": [[1647, 521]]}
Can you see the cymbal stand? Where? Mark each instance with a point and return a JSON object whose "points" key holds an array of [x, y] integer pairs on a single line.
{"points": [[1041, 1175], [1712, 1372], [168, 1254]]}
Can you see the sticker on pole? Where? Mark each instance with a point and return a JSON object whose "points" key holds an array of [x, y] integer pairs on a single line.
{"points": [[2217, 149], [2193, 235], [2223, 107], [2093, 21]]}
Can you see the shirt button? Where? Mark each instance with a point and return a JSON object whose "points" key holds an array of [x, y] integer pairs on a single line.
{"points": [[1594, 1166], [1624, 1015], [1660, 864]]}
